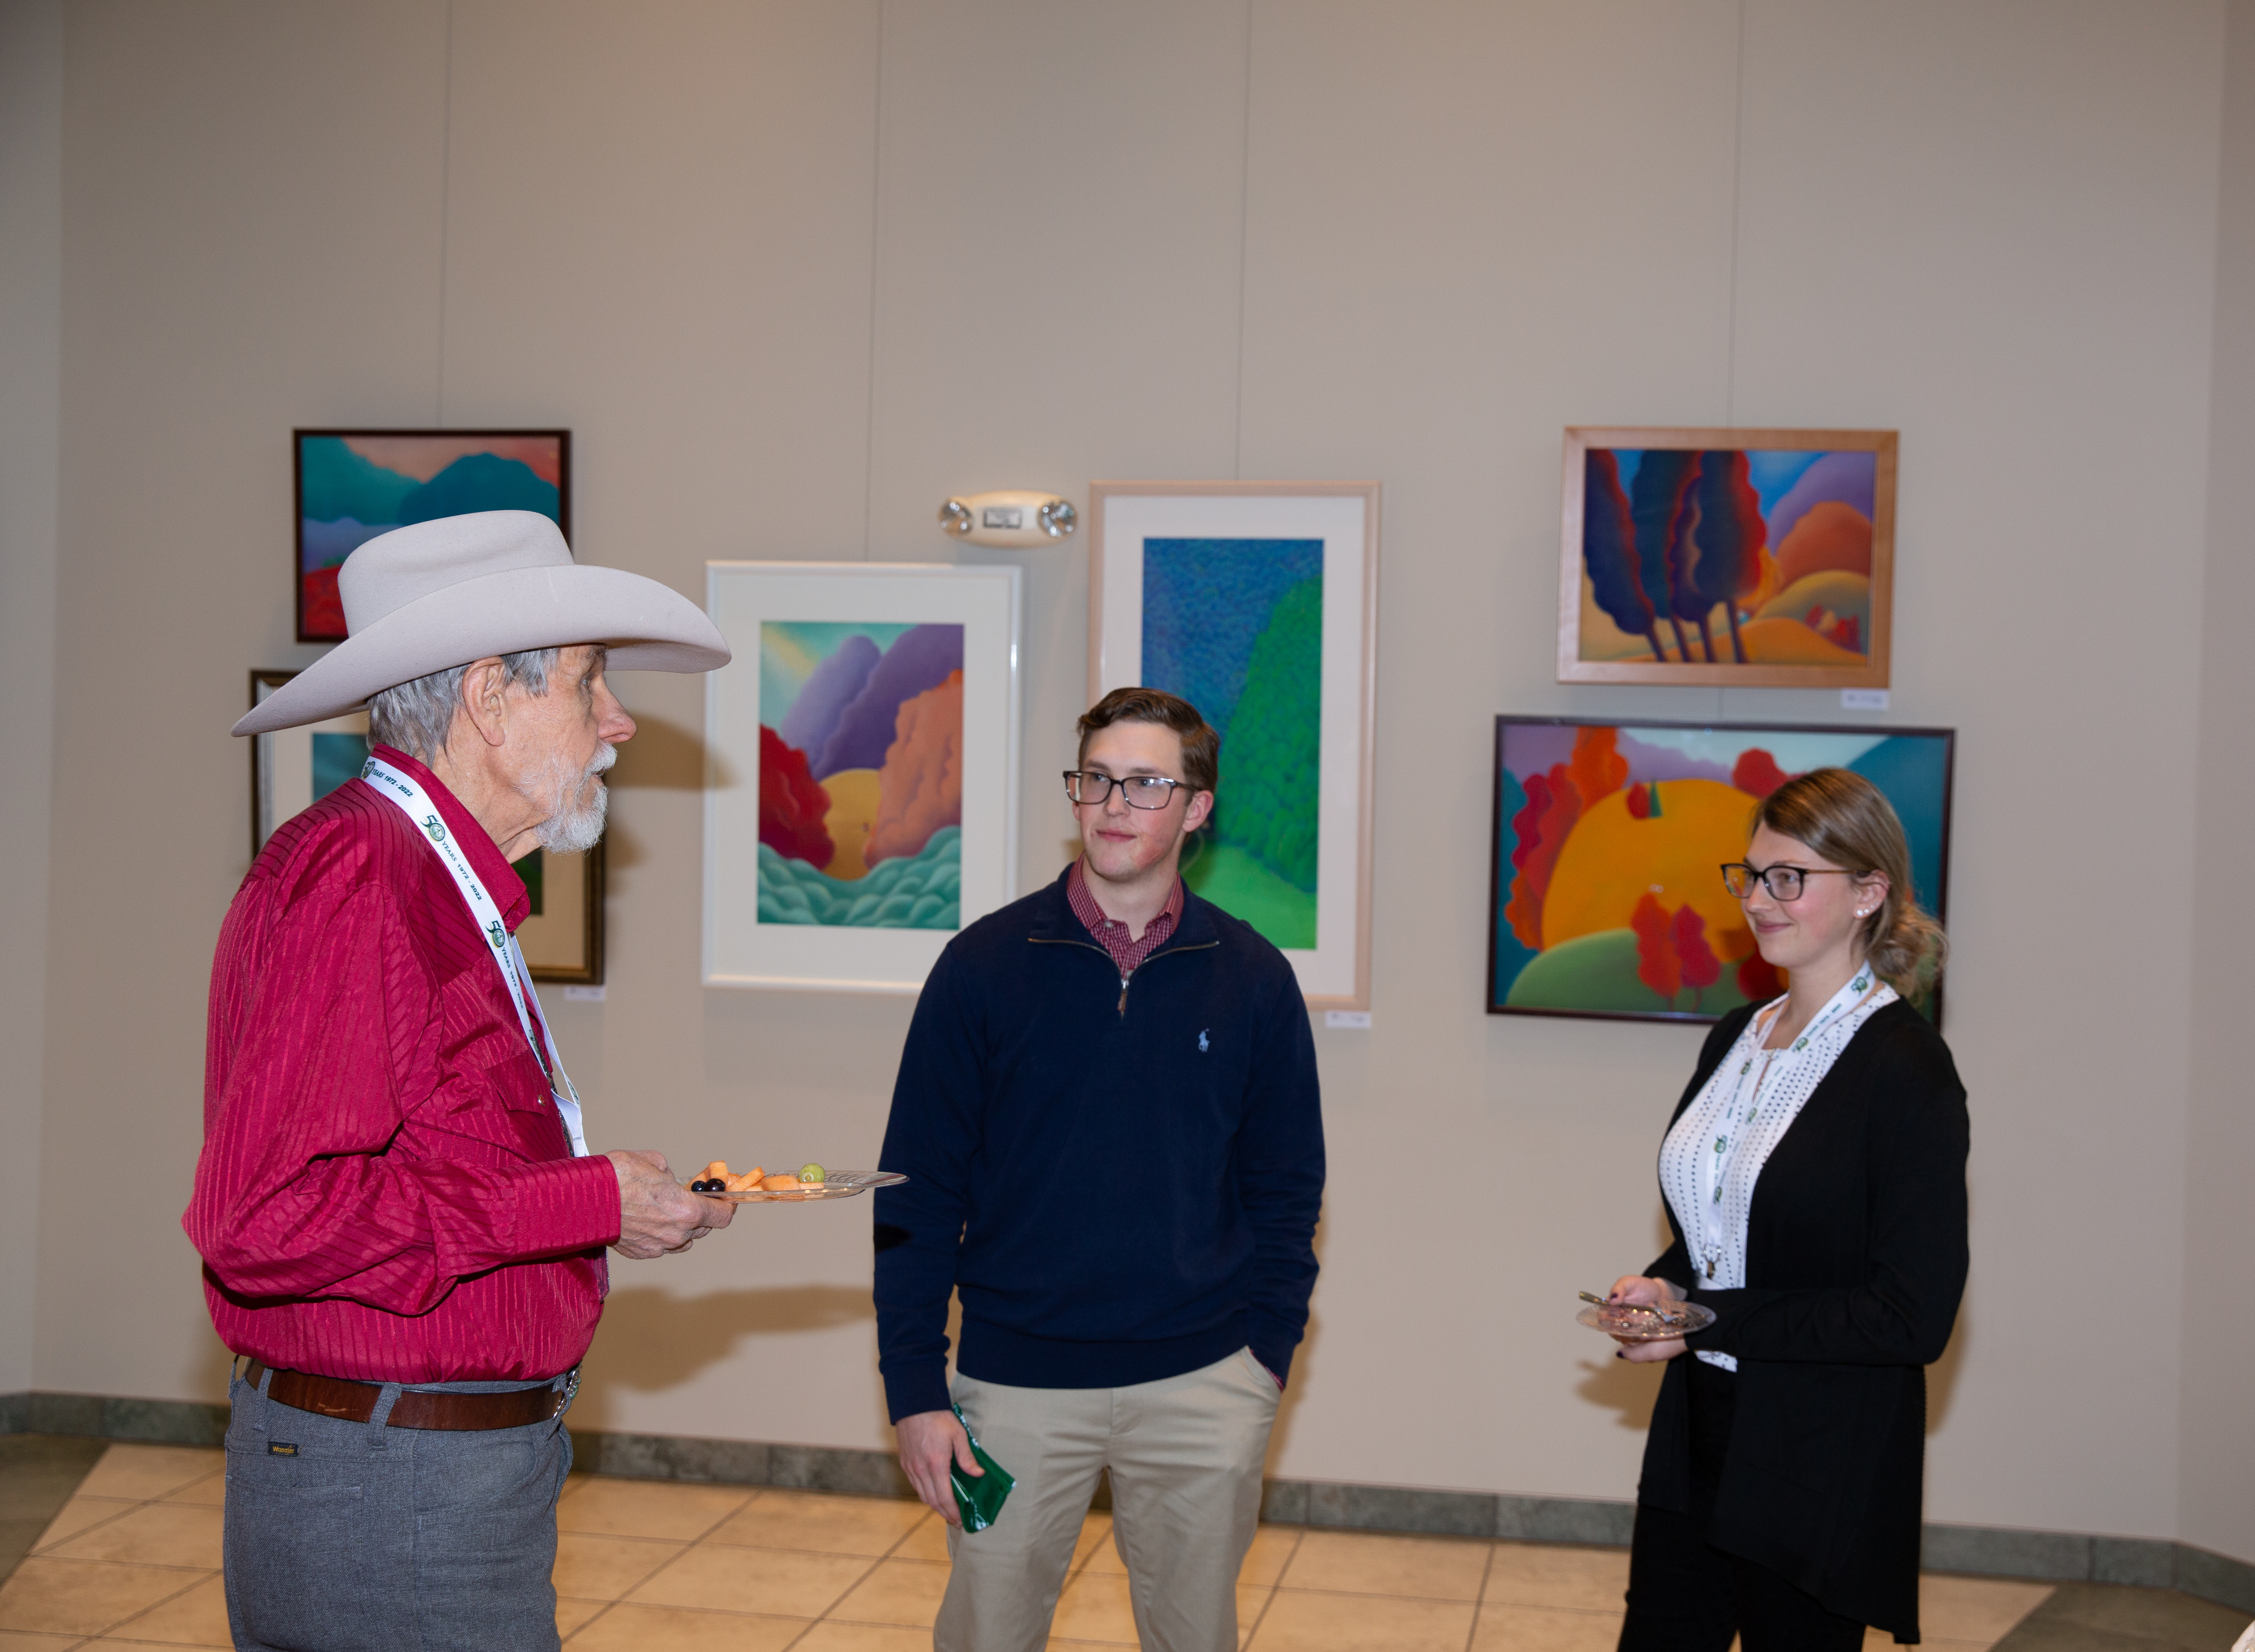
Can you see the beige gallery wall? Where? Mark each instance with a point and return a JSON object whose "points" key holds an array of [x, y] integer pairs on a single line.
{"points": [[31, 295], [2218, 1496], [793, 272]]}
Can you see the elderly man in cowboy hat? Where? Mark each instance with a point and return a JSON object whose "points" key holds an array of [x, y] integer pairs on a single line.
{"points": [[401, 1225]]}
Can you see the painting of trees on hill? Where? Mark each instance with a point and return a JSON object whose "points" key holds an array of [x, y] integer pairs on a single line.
{"points": [[860, 775], [353, 485], [1761, 558], [1609, 841], [1236, 627]]}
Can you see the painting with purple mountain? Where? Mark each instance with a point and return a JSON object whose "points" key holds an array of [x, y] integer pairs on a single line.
{"points": [[1758, 558], [861, 789], [353, 485]]}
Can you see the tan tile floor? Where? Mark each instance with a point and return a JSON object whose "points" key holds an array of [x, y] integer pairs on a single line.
{"points": [[133, 1560]]}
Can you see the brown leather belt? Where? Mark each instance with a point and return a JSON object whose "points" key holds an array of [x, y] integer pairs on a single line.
{"points": [[356, 1401]]}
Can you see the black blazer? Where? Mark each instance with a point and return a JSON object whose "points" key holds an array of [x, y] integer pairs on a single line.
{"points": [[1856, 1259]]}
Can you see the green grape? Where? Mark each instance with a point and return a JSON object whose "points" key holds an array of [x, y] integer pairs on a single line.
{"points": [[811, 1173]]}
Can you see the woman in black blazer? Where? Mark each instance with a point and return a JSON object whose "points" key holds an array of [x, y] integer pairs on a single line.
{"points": [[1815, 1175]]}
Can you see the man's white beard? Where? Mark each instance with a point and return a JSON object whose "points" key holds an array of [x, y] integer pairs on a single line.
{"points": [[572, 828]]}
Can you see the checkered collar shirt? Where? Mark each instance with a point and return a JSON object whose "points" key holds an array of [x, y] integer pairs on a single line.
{"points": [[1110, 933]]}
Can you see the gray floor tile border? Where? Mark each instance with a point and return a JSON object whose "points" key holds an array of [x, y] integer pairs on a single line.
{"points": [[1980, 1550]]}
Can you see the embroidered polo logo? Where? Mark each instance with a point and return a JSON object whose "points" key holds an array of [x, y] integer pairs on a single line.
{"points": [[436, 827], [1202, 1033], [280, 1448]]}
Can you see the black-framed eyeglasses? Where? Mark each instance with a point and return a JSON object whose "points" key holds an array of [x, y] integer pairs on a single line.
{"points": [[1783, 882], [1142, 792]]}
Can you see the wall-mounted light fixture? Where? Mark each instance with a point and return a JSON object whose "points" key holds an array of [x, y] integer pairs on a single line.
{"points": [[1011, 517]]}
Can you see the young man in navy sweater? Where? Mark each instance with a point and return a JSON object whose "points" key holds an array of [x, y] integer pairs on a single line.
{"points": [[1108, 1114]]}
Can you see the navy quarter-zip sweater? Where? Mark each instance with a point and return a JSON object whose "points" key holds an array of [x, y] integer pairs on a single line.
{"points": [[1122, 1182]]}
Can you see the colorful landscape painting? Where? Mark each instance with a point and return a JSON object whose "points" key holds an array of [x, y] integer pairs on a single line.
{"points": [[1729, 556], [861, 793], [353, 485], [1236, 627], [1608, 900]]}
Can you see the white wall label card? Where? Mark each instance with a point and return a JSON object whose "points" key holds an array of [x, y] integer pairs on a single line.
{"points": [[1863, 699], [1357, 1019]]}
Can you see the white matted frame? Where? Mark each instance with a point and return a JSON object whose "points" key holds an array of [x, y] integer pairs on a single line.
{"points": [[739, 949], [1335, 973]]}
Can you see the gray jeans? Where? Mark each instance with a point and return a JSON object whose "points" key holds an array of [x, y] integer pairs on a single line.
{"points": [[356, 1537]]}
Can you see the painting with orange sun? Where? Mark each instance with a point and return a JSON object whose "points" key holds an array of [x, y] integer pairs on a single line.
{"points": [[1609, 840]]}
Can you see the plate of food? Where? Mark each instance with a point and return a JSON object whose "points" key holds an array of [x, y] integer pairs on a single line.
{"points": [[1627, 1321], [808, 1183]]}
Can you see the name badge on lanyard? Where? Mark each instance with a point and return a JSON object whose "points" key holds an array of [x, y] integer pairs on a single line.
{"points": [[415, 804]]}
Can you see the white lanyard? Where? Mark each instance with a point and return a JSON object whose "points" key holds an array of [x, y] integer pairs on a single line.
{"points": [[1732, 1128], [412, 803]]}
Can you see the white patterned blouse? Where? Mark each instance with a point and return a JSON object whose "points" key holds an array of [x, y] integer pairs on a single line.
{"points": [[1712, 1158]]}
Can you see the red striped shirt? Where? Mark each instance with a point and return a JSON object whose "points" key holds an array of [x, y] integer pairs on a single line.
{"points": [[386, 1191], [1111, 933]]}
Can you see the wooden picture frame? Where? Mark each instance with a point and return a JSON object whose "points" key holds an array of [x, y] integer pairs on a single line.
{"points": [[1170, 558], [1801, 571], [862, 787], [348, 486], [292, 769], [1609, 835]]}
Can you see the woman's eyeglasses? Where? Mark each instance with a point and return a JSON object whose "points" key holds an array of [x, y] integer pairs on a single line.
{"points": [[1783, 882]]}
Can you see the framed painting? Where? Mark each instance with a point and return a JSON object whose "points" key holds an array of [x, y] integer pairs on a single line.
{"points": [[290, 769], [861, 790], [1258, 603], [1610, 835], [1747, 559], [354, 484]]}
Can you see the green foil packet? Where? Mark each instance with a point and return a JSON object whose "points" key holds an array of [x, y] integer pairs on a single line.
{"points": [[979, 1499]]}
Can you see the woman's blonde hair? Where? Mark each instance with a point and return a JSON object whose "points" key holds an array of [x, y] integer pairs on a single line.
{"points": [[1846, 819]]}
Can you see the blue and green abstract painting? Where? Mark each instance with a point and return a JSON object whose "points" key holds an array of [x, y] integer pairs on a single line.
{"points": [[1236, 627]]}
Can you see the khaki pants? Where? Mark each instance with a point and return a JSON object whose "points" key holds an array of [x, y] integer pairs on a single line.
{"points": [[1185, 1456]]}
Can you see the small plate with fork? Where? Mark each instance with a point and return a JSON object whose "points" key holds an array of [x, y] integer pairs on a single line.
{"points": [[1627, 1321]]}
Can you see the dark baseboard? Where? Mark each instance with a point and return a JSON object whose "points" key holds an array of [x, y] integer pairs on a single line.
{"points": [[1980, 1551], [106, 1416]]}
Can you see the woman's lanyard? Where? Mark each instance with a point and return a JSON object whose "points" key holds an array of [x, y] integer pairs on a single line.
{"points": [[412, 803], [1736, 1120]]}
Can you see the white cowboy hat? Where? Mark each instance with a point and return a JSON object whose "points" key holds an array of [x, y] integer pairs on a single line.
{"points": [[437, 594]]}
